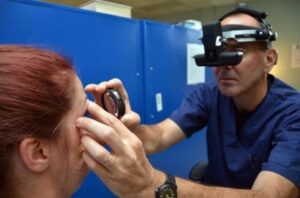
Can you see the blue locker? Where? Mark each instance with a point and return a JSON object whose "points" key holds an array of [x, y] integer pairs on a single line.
{"points": [[165, 64], [101, 47], [148, 57]]}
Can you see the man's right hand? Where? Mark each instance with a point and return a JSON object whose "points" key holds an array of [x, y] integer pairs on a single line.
{"points": [[131, 119]]}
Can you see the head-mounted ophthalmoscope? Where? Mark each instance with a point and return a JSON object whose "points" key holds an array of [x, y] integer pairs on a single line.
{"points": [[215, 38]]}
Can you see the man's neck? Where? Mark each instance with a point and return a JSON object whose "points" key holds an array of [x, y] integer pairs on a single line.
{"points": [[250, 100]]}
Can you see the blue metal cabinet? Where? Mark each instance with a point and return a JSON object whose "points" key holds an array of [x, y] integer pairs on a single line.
{"points": [[165, 65], [101, 47], [148, 57]]}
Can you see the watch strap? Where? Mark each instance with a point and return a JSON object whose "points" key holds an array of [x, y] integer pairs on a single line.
{"points": [[168, 188], [170, 179]]}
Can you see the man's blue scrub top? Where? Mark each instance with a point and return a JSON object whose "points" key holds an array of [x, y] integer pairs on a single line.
{"points": [[269, 139]]}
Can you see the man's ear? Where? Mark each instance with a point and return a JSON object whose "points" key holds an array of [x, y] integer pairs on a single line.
{"points": [[271, 59], [35, 153]]}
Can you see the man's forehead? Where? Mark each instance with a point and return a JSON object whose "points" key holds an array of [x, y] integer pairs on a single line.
{"points": [[240, 19]]}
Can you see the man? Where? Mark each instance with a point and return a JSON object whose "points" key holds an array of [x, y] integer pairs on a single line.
{"points": [[253, 132]]}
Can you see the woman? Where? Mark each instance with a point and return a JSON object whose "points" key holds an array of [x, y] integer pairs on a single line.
{"points": [[40, 99]]}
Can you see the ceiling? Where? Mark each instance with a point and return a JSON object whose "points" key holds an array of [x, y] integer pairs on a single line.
{"points": [[153, 9]]}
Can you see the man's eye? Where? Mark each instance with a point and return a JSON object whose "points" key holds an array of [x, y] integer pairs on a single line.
{"points": [[235, 48], [240, 49]]}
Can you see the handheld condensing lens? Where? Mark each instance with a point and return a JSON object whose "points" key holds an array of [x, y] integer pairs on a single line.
{"points": [[113, 102]]}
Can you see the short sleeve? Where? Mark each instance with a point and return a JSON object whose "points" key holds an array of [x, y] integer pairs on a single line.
{"points": [[284, 157], [194, 110]]}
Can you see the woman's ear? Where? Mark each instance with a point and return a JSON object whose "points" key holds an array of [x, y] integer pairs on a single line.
{"points": [[35, 154], [271, 59]]}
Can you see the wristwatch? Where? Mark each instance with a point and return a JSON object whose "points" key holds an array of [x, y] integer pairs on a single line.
{"points": [[167, 189]]}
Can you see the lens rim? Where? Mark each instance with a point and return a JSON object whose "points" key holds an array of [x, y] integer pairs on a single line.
{"points": [[118, 102]]}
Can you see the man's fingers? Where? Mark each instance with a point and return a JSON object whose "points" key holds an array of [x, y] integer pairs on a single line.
{"points": [[102, 132], [131, 120], [118, 85], [96, 150], [97, 91], [94, 166], [115, 83], [90, 87], [106, 118]]}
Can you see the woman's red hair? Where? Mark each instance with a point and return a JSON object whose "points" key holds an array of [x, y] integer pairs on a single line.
{"points": [[35, 94]]}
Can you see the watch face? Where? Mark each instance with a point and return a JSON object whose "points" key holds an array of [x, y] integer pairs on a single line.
{"points": [[167, 191]]}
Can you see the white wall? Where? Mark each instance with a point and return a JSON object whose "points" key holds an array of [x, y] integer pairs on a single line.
{"points": [[285, 19]]}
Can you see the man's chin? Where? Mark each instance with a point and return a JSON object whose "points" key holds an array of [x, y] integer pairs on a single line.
{"points": [[230, 92]]}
